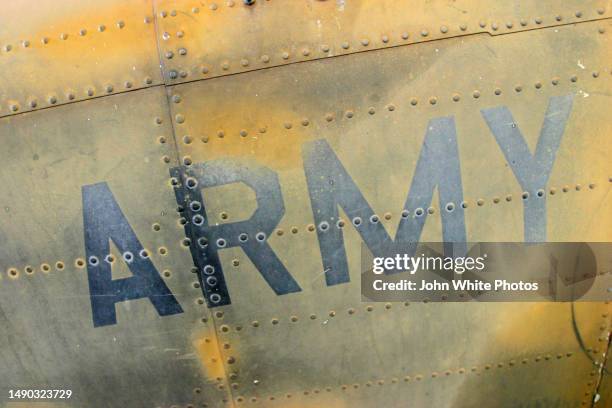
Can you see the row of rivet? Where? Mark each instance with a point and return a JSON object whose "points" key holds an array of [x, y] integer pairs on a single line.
{"points": [[93, 261], [350, 113], [604, 336], [351, 311], [128, 257], [364, 43], [64, 36], [477, 370], [71, 95], [374, 219]]}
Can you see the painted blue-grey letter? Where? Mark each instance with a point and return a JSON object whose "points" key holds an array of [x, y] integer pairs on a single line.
{"points": [[330, 186], [251, 235], [104, 221], [531, 171]]}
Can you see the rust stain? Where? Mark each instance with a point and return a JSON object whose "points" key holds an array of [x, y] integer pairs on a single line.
{"points": [[206, 346]]}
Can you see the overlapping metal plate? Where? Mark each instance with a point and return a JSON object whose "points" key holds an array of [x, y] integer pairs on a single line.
{"points": [[202, 39], [55, 52], [320, 346], [48, 338]]}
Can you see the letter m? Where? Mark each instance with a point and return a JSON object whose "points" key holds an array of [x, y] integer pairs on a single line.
{"points": [[331, 187]]}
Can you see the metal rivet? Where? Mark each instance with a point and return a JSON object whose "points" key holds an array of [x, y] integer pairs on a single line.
{"points": [[345, 45], [83, 32], [463, 27], [444, 29], [179, 118], [265, 58], [244, 62], [385, 39], [424, 33], [365, 42], [182, 51], [120, 24], [285, 55], [101, 28], [305, 52]]}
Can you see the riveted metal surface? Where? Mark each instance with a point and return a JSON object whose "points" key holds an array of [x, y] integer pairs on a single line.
{"points": [[605, 388], [321, 346], [72, 50], [207, 39], [47, 337]]}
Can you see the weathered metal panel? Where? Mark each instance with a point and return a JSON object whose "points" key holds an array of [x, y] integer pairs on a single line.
{"points": [[48, 338], [55, 52], [207, 39], [320, 346]]}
